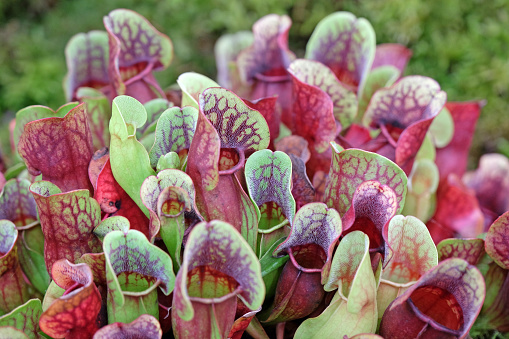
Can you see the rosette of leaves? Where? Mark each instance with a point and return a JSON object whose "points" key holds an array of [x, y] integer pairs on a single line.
{"points": [[443, 303], [315, 231], [219, 267], [226, 131], [353, 308], [13, 289], [74, 313], [134, 270]]}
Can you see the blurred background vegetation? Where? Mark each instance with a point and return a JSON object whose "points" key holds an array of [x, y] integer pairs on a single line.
{"points": [[463, 44]]}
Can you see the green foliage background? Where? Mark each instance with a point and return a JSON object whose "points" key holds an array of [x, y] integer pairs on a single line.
{"points": [[463, 44]]}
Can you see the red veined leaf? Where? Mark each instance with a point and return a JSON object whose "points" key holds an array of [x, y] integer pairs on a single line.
{"points": [[218, 266], [87, 63], [17, 203], [497, 241], [74, 314], [404, 113], [67, 221], [470, 250], [24, 318], [310, 244], [60, 149], [143, 327], [136, 49], [317, 74], [444, 302], [345, 44], [98, 109], [352, 167], [13, 288], [134, 270], [495, 309], [226, 50]]}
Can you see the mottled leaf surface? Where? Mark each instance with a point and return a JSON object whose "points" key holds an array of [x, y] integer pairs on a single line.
{"points": [[218, 245], [74, 313], [410, 105], [317, 74], [471, 250], [174, 132], [352, 312], [413, 250], [312, 115], [352, 167], [380, 77], [67, 220], [269, 51], [448, 298], [134, 269], [268, 177], [24, 318], [237, 125], [345, 44], [135, 45], [497, 241], [59, 149], [86, 55], [17, 203], [143, 327], [314, 223], [13, 288], [115, 223], [36, 112]]}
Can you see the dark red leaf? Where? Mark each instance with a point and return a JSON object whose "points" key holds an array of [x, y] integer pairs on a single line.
{"points": [[74, 314], [457, 212], [60, 149], [67, 221], [114, 201], [453, 158]]}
